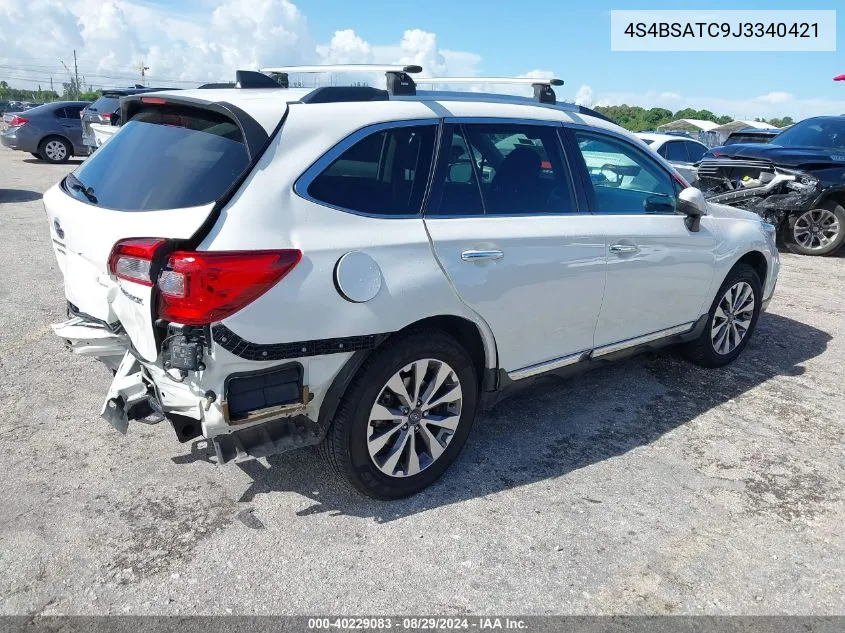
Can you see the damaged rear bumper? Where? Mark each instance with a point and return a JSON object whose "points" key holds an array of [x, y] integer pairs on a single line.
{"points": [[247, 409]]}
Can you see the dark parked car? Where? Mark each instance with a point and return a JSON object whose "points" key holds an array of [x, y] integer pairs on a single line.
{"points": [[751, 135], [106, 110], [795, 181], [51, 132]]}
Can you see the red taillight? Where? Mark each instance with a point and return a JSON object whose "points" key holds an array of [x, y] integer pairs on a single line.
{"points": [[132, 259], [197, 288], [546, 164], [17, 121], [106, 116], [155, 100]]}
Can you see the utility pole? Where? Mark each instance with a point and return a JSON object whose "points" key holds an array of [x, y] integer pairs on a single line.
{"points": [[143, 69], [76, 74], [51, 88]]}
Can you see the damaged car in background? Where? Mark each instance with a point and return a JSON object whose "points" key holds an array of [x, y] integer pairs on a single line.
{"points": [[795, 182]]}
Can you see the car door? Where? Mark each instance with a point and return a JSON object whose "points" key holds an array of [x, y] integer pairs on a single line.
{"points": [[70, 127], [504, 225], [74, 125], [658, 271]]}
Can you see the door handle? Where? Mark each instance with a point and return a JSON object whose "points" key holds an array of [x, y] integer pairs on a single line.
{"points": [[474, 256], [624, 248]]}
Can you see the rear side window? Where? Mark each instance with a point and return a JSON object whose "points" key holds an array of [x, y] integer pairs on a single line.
{"points": [[385, 173], [165, 158]]}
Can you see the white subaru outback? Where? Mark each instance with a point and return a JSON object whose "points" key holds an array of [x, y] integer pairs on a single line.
{"points": [[364, 269]]}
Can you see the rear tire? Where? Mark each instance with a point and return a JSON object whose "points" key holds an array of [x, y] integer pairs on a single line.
{"points": [[731, 320], [38, 156], [387, 447], [54, 149], [818, 231]]}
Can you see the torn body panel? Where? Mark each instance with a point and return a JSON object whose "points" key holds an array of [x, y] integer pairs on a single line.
{"points": [[770, 190], [246, 408]]}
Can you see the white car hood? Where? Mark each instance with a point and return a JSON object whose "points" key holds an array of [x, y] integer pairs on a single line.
{"points": [[724, 211]]}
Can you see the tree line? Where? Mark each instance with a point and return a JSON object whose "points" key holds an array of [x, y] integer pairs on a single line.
{"points": [[69, 92], [636, 118]]}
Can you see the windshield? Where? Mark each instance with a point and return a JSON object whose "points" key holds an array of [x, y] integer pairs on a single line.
{"points": [[825, 132], [164, 158]]}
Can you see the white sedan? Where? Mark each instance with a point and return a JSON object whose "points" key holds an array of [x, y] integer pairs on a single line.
{"points": [[681, 152]]}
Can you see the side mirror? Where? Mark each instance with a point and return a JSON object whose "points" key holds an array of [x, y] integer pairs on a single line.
{"points": [[692, 204]]}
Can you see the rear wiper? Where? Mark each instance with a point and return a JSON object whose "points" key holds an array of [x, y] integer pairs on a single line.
{"points": [[77, 185]]}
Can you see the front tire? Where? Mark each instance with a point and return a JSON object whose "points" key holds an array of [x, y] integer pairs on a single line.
{"points": [[731, 320], [405, 417], [818, 231], [55, 150]]}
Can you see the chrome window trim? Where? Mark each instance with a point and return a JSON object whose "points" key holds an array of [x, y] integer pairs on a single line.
{"points": [[497, 120], [578, 127], [300, 187]]}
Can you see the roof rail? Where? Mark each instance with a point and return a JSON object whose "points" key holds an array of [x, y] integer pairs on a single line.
{"points": [[398, 77], [542, 87]]}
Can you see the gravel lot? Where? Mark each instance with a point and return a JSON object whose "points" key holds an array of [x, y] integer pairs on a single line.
{"points": [[647, 487]]}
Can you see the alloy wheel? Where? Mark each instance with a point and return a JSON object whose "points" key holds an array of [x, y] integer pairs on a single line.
{"points": [[732, 318], [816, 229], [414, 418], [55, 150]]}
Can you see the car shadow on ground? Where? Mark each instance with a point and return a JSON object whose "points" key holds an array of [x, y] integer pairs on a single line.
{"points": [[18, 195], [559, 425], [70, 161]]}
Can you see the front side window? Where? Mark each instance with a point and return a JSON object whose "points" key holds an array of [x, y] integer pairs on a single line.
{"points": [[674, 152], [695, 151], [385, 173], [624, 179]]}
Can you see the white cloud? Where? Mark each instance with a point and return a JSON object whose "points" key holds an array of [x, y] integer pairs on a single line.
{"points": [[584, 96], [111, 38], [776, 97]]}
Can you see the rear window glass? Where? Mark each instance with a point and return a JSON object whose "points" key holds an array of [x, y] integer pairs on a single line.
{"points": [[105, 104], [165, 158]]}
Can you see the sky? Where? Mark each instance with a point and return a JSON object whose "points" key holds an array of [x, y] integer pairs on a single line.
{"points": [[185, 42]]}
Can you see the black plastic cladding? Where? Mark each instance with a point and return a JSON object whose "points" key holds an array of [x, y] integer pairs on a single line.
{"points": [[233, 343]]}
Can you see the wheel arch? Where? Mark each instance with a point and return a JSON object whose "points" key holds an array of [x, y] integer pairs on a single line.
{"points": [[758, 262], [479, 344], [835, 195], [62, 137]]}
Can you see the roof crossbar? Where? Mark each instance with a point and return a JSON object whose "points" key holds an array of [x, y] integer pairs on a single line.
{"points": [[398, 77], [543, 91]]}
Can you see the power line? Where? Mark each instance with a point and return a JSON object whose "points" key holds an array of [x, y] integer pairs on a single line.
{"points": [[127, 77]]}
